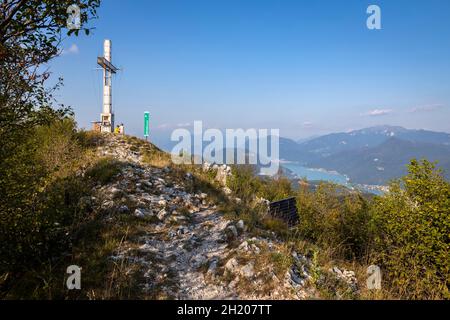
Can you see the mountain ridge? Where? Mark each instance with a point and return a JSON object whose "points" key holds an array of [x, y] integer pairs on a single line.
{"points": [[373, 155]]}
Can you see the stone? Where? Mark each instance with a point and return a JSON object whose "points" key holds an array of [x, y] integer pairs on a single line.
{"points": [[162, 214], [115, 192], [206, 166], [139, 213], [231, 233], [194, 209], [172, 234], [146, 183], [232, 265], [223, 172], [240, 226], [123, 209], [212, 267], [162, 203], [244, 246], [106, 205], [262, 201], [296, 278], [256, 249], [198, 260], [182, 230], [178, 219], [347, 276], [248, 271]]}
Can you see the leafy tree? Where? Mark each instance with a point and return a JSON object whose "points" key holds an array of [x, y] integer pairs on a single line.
{"points": [[32, 127], [30, 33]]}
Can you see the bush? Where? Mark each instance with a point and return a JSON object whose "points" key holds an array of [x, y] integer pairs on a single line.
{"points": [[413, 236], [333, 217], [41, 187], [406, 231], [244, 183], [275, 189], [104, 171]]}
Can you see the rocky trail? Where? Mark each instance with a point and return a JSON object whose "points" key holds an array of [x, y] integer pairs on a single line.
{"points": [[187, 248]]}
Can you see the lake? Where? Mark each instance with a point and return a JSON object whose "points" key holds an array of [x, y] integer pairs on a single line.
{"points": [[316, 174]]}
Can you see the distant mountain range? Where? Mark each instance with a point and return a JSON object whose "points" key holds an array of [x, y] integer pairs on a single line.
{"points": [[370, 156]]}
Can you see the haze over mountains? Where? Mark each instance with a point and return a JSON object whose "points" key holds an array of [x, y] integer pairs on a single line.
{"points": [[371, 156]]}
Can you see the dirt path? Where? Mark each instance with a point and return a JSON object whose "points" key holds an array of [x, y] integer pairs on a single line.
{"points": [[187, 248]]}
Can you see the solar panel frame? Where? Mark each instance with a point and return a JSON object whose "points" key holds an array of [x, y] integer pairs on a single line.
{"points": [[285, 210]]}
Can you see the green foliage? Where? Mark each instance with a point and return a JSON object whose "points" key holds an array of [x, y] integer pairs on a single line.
{"points": [[406, 231], [275, 189], [413, 237], [333, 217], [245, 184], [39, 191], [30, 33], [104, 171], [46, 195]]}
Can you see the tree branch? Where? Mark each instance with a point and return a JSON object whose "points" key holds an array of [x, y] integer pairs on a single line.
{"points": [[11, 14]]}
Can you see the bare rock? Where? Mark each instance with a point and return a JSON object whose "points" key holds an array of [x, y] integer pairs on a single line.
{"points": [[162, 214], [232, 265], [231, 233], [248, 270], [240, 226]]}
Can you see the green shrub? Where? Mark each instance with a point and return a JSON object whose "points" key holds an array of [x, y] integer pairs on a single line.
{"points": [[413, 236], [41, 187], [246, 185], [275, 189], [39, 191], [104, 171], [243, 182], [332, 217]]}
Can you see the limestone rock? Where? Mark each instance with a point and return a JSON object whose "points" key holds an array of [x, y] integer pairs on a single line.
{"points": [[231, 233], [232, 265], [162, 214], [248, 270], [240, 226]]}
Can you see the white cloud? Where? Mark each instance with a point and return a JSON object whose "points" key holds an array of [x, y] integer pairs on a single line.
{"points": [[73, 49], [427, 108], [378, 112]]}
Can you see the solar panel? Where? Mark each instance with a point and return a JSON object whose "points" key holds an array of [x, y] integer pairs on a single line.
{"points": [[285, 210]]}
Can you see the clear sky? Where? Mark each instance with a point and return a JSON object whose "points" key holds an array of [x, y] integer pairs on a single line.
{"points": [[305, 67]]}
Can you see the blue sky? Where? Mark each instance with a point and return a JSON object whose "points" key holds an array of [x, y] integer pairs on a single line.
{"points": [[305, 67]]}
